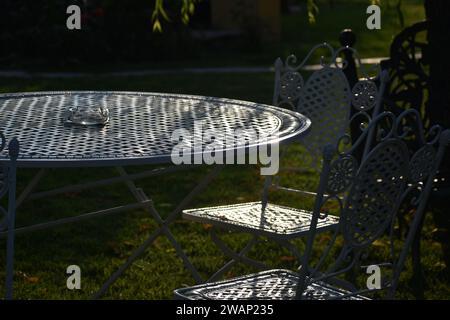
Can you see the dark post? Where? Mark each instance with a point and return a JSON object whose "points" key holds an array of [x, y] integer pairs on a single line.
{"points": [[348, 39], [437, 13]]}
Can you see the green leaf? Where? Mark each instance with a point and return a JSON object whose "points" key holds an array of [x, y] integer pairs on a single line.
{"points": [[313, 10], [187, 10], [401, 18], [157, 26], [164, 14]]}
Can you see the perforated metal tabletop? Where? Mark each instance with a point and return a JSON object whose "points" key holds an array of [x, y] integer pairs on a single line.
{"points": [[140, 126]]}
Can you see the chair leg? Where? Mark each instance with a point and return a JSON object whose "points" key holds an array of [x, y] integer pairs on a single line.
{"points": [[204, 182], [11, 219], [418, 279], [233, 255], [232, 262], [140, 195]]}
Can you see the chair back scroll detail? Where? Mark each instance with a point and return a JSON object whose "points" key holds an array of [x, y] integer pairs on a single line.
{"points": [[370, 193], [326, 97], [374, 193]]}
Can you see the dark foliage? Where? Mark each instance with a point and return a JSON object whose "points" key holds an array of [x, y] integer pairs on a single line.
{"points": [[35, 33]]}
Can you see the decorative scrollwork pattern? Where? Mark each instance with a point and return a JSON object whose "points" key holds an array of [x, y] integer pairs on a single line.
{"points": [[291, 85], [374, 193], [409, 71], [422, 163], [342, 173], [364, 95]]}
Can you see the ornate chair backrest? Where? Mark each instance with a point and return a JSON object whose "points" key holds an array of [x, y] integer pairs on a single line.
{"points": [[7, 217], [409, 85], [326, 96], [408, 66], [427, 151], [369, 194]]}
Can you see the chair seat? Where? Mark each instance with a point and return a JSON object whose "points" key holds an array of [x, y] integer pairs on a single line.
{"points": [[267, 285], [276, 221]]}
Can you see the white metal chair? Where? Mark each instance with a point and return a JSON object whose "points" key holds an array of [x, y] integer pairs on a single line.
{"points": [[369, 197], [326, 99]]}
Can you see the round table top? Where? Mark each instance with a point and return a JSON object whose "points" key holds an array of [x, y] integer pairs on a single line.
{"points": [[139, 130]]}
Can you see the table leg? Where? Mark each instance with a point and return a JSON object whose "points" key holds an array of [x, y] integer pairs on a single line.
{"points": [[108, 181], [27, 194], [171, 217], [11, 220], [141, 196]]}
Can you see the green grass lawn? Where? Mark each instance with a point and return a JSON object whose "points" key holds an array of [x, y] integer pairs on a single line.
{"points": [[100, 245], [298, 36]]}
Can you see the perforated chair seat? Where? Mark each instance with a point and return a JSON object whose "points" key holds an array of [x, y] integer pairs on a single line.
{"points": [[276, 221], [274, 284]]}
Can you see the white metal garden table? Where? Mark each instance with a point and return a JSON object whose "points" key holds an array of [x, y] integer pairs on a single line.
{"points": [[138, 132]]}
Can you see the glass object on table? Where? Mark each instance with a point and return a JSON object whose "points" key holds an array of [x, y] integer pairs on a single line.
{"points": [[87, 115]]}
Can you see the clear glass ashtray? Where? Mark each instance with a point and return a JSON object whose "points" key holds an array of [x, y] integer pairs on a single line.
{"points": [[87, 116]]}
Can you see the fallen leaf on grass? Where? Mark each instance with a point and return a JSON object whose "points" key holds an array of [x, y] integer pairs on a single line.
{"points": [[287, 258], [32, 279], [128, 243], [440, 265], [207, 226], [179, 221], [379, 243], [144, 227], [324, 239], [111, 244], [27, 278]]}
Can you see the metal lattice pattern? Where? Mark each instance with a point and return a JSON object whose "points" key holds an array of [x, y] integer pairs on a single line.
{"points": [[325, 97], [140, 126], [267, 285], [375, 192], [325, 100], [342, 173], [275, 220], [422, 163], [291, 85]]}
